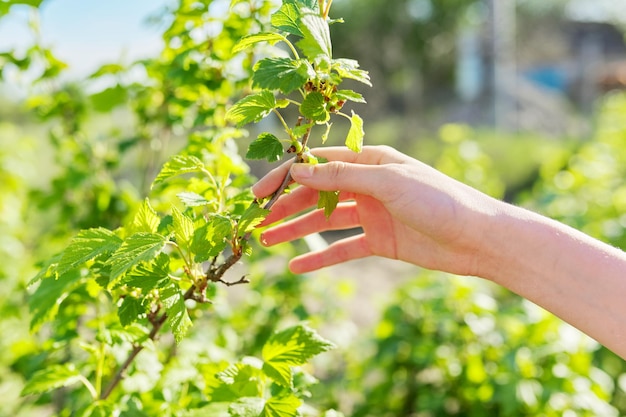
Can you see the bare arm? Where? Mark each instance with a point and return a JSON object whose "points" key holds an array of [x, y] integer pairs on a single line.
{"points": [[412, 212]]}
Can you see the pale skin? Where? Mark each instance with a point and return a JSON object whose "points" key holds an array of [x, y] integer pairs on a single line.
{"points": [[412, 212]]}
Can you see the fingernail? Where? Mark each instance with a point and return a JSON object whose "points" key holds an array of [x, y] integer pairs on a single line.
{"points": [[302, 171]]}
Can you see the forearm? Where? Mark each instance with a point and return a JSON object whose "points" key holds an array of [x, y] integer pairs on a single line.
{"points": [[578, 278]]}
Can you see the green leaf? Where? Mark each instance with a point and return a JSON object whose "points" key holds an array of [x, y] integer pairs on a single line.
{"points": [[177, 315], [178, 165], [45, 301], [328, 200], [107, 69], [137, 248], [286, 406], [146, 219], [291, 347], [354, 140], [211, 239], [149, 275], [191, 199], [130, 310], [350, 95], [305, 4], [183, 228], [50, 378], [251, 108], [314, 107], [349, 68], [247, 407], [250, 219], [282, 74], [219, 409], [286, 19], [86, 245], [109, 98], [247, 41], [316, 40], [266, 146], [237, 381]]}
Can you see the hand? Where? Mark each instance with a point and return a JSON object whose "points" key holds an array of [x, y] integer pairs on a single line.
{"points": [[407, 210]]}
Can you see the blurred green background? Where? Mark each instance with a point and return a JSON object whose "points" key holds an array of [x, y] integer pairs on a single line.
{"points": [[522, 100]]}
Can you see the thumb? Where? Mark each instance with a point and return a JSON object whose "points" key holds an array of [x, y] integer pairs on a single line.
{"points": [[339, 175]]}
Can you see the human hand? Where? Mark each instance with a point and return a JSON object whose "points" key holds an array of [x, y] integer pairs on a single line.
{"points": [[407, 210]]}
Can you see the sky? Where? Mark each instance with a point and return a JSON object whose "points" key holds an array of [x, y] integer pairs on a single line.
{"points": [[87, 33]]}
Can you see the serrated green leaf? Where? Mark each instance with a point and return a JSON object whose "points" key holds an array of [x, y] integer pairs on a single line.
{"points": [[177, 315], [305, 4], [314, 107], [316, 36], [350, 95], [247, 41], [146, 219], [130, 310], [183, 228], [328, 200], [282, 74], [247, 407], [50, 378], [286, 19], [291, 347], [179, 165], [191, 199], [237, 381], [349, 68], [354, 140], [251, 108], [266, 146], [211, 239], [148, 275], [85, 246], [45, 301], [286, 406], [250, 219], [137, 248]]}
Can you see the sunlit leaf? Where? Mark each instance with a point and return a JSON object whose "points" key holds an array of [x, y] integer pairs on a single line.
{"points": [[286, 406], [291, 347], [177, 315], [350, 95], [148, 275], [251, 108], [50, 378], [137, 248], [282, 74], [247, 41], [109, 98], [354, 140], [44, 302], [266, 146], [191, 199], [328, 200], [247, 407], [183, 228], [211, 239], [316, 40], [286, 19], [146, 219], [86, 245], [178, 165], [349, 68], [250, 219]]}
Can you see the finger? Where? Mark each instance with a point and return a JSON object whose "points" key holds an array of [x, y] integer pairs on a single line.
{"points": [[272, 180], [344, 217], [354, 247], [370, 155], [296, 201], [370, 180]]}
